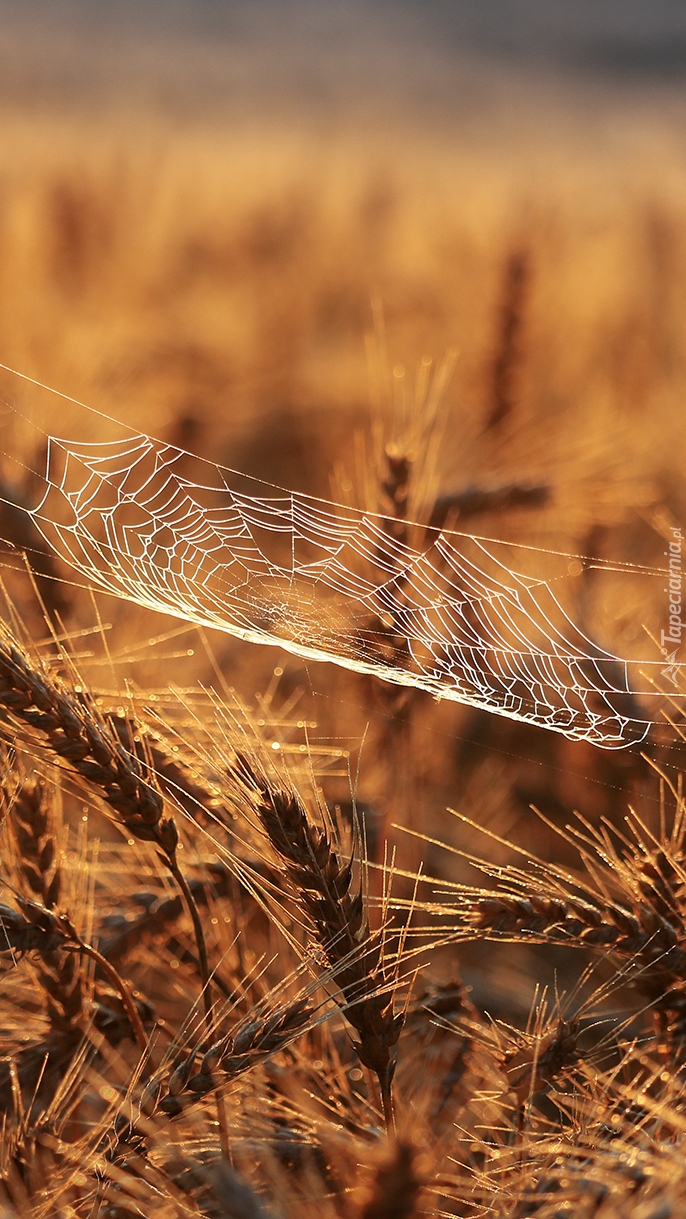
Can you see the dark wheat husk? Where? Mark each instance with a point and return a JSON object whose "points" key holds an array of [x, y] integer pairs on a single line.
{"points": [[217, 1190]]}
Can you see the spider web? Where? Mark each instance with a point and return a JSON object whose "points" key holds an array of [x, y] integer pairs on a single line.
{"points": [[146, 521]]}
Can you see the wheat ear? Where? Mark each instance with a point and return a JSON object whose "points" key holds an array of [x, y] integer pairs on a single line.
{"points": [[72, 729], [323, 886]]}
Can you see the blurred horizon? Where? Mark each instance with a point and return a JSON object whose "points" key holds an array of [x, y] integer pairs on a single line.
{"points": [[437, 61]]}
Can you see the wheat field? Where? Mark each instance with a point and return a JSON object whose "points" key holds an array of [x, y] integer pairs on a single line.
{"points": [[280, 939]]}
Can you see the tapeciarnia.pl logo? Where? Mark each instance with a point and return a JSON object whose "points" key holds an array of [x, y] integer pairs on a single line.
{"points": [[674, 591]]}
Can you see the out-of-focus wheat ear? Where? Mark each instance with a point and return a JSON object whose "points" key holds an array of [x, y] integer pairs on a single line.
{"points": [[443, 1027], [39, 930], [123, 932], [217, 1189], [396, 489], [395, 1192], [507, 355], [70, 726], [461, 506]]}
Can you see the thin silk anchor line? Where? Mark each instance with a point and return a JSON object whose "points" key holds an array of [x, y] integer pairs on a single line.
{"points": [[332, 583]]}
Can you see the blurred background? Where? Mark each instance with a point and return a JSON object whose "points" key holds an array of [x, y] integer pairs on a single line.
{"points": [[255, 229], [201, 202], [439, 59]]}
